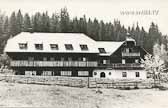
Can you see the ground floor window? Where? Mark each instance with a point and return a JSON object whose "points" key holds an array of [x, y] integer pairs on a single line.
{"points": [[83, 73], [29, 73], [137, 74], [47, 73], [95, 73], [66, 73], [124, 74]]}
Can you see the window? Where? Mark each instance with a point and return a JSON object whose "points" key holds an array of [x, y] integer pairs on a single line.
{"points": [[47, 73], [62, 58], [39, 46], [52, 58], [83, 73], [95, 73], [66, 73], [84, 59], [30, 58], [68, 46], [30, 73], [54, 46], [130, 50], [69, 58], [84, 47], [136, 61], [102, 50], [123, 61], [23, 45], [104, 61], [44, 58], [137, 74], [124, 74], [127, 50]]}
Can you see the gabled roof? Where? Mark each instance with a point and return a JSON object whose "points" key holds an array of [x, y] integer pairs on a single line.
{"points": [[110, 47], [51, 38]]}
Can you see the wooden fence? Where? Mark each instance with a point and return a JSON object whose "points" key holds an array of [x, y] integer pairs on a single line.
{"points": [[78, 81]]}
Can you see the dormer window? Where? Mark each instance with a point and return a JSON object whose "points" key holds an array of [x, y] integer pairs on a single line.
{"points": [[102, 50], [84, 47], [54, 46], [68, 46], [23, 45], [39, 46]]}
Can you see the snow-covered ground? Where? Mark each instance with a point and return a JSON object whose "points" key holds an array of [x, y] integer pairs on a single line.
{"points": [[29, 95]]}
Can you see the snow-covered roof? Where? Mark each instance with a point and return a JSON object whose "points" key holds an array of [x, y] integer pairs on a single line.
{"points": [[76, 39], [110, 47]]}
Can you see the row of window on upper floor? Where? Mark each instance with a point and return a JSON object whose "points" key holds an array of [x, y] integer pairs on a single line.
{"points": [[24, 46], [83, 47]]}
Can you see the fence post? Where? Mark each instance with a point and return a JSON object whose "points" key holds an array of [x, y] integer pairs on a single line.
{"points": [[88, 82]]}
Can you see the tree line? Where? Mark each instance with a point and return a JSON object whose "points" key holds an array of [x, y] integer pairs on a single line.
{"points": [[61, 22]]}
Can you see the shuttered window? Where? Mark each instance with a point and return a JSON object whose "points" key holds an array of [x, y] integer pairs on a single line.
{"points": [[54, 46], [84, 47], [83, 73], [137, 74], [102, 50], [68, 46], [22, 45], [39, 46], [66, 73], [124, 74]]}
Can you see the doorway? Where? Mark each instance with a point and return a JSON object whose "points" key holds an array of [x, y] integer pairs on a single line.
{"points": [[102, 75]]}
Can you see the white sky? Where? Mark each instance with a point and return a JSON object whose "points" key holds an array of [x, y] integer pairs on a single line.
{"points": [[106, 10]]}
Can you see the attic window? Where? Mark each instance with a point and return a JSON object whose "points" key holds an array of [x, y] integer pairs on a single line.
{"points": [[39, 46], [102, 50], [54, 46], [23, 45], [84, 47], [68, 46]]}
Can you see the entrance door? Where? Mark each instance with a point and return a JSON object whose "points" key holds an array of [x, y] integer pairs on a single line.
{"points": [[102, 75]]}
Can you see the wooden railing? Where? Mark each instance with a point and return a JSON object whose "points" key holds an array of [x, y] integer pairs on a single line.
{"points": [[24, 63], [120, 65], [133, 54]]}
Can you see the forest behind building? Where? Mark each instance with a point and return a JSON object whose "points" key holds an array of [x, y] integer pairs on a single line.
{"points": [[62, 22]]}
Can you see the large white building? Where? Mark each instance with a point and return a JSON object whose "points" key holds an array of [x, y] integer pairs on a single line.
{"points": [[74, 54]]}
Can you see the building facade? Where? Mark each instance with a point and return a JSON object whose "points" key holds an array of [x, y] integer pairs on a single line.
{"points": [[74, 54]]}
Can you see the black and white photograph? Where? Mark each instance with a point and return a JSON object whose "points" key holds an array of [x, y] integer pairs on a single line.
{"points": [[84, 53]]}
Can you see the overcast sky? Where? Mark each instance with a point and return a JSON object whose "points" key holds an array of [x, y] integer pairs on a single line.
{"points": [[106, 10]]}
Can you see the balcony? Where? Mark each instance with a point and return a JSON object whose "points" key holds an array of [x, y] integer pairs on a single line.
{"points": [[24, 63], [123, 66], [131, 54]]}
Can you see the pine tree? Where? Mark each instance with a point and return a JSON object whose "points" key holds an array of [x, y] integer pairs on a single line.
{"points": [[54, 23], [13, 24], [101, 30], [6, 27], [95, 29], [64, 21], [153, 36], [45, 22], [89, 28], [1, 24], [19, 22], [36, 20], [75, 25], [27, 23]]}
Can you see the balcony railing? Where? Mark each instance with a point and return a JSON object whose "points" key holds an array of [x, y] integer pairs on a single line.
{"points": [[24, 63], [132, 54], [121, 66]]}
